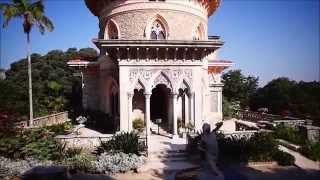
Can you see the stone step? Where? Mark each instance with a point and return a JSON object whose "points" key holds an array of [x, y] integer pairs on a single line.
{"points": [[166, 166], [181, 155]]}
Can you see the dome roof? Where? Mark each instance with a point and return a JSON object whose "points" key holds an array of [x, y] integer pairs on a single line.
{"points": [[96, 6]]}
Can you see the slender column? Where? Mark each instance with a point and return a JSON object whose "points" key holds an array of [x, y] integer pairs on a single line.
{"points": [[128, 54], [157, 54], [175, 119], [192, 108], [138, 54], [147, 54], [185, 54], [186, 109], [166, 54], [130, 95], [147, 112]]}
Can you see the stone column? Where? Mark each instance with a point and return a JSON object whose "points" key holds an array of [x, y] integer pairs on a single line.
{"points": [[175, 119], [147, 112], [130, 95], [186, 109], [192, 108]]}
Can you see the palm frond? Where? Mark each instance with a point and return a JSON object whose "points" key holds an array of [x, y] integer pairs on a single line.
{"points": [[41, 28], [9, 11], [47, 23], [37, 9]]}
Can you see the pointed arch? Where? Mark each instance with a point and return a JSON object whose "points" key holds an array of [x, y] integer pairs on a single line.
{"points": [[137, 85], [199, 32], [112, 30], [157, 28], [161, 78]]}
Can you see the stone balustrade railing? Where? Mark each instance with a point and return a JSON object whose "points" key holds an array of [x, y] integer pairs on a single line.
{"points": [[48, 120], [85, 142], [240, 134]]}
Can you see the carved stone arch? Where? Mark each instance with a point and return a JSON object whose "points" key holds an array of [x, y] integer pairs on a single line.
{"points": [[112, 30], [183, 84], [161, 78], [199, 32], [138, 85], [162, 21]]}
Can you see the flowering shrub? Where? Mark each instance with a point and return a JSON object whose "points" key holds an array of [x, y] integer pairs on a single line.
{"points": [[118, 162], [18, 167]]}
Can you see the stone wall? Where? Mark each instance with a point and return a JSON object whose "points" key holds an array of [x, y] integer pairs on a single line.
{"points": [[133, 19]]}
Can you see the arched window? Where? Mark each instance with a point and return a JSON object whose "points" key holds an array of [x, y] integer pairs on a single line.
{"points": [[113, 32], [157, 31]]}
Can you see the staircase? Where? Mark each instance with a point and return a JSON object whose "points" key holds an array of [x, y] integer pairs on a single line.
{"points": [[168, 161], [166, 154]]}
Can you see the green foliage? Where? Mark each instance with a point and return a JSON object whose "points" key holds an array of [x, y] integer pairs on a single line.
{"points": [[301, 99], [311, 150], [78, 160], [238, 87], [289, 134], [126, 142], [10, 147], [283, 158], [229, 108], [59, 129], [54, 86], [261, 147], [32, 14], [138, 124], [37, 143]]}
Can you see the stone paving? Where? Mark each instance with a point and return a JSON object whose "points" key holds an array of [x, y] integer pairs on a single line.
{"points": [[301, 161]]}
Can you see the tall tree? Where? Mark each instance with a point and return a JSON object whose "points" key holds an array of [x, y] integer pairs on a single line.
{"points": [[238, 87], [32, 14]]}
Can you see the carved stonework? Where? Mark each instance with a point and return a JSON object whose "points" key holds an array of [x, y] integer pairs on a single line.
{"points": [[153, 77], [138, 86], [214, 78]]}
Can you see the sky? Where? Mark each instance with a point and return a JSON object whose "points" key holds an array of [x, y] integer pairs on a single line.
{"points": [[264, 38]]}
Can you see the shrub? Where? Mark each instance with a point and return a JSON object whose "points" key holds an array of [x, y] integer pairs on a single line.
{"points": [[126, 142], [82, 161], [232, 148], [10, 147], [283, 158], [59, 129], [290, 134], [118, 162], [311, 150], [37, 143], [259, 147], [41, 144], [138, 124]]}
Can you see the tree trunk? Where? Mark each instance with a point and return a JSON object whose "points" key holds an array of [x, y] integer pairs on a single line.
{"points": [[30, 80]]}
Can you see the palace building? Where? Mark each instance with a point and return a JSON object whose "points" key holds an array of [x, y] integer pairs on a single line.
{"points": [[156, 61]]}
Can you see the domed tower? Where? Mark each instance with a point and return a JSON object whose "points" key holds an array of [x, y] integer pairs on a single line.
{"points": [[156, 62]]}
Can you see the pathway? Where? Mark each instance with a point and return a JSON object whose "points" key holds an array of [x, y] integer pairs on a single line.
{"points": [[301, 161]]}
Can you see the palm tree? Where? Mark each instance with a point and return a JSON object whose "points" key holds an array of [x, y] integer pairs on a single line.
{"points": [[32, 14]]}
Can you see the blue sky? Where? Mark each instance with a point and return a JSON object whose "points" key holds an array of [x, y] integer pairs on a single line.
{"points": [[264, 38]]}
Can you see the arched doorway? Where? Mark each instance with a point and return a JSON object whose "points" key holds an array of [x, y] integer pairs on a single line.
{"points": [[160, 104]]}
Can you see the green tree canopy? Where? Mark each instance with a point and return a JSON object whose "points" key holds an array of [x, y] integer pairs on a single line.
{"points": [[52, 83], [238, 87]]}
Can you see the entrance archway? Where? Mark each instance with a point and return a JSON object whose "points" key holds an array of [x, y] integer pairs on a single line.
{"points": [[160, 105]]}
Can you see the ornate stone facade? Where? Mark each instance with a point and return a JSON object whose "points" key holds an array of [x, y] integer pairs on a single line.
{"points": [[156, 62]]}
